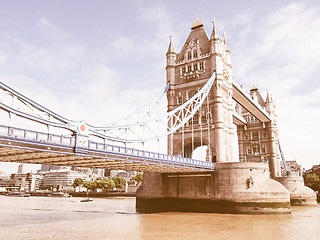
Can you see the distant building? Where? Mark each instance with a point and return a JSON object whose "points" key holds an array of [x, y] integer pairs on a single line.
{"points": [[7, 184], [24, 181], [294, 169], [119, 173], [315, 169], [96, 172], [47, 168], [57, 179]]}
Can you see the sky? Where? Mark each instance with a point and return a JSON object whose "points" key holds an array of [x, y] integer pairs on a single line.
{"points": [[99, 60]]}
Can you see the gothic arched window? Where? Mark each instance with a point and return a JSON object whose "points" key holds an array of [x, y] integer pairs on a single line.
{"points": [[189, 55], [255, 135], [183, 70], [195, 53], [201, 66]]}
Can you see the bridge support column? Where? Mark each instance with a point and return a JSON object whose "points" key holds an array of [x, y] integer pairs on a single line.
{"points": [[274, 166], [219, 133], [300, 195], [240, 143]]}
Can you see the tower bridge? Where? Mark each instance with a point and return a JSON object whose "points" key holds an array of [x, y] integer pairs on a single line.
{"points": [[206, 107]]}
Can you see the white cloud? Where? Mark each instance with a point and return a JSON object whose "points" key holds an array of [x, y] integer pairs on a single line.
{"points": [[283, 57], [51, 31], [285, 48], [124, 47], [158, 24]]}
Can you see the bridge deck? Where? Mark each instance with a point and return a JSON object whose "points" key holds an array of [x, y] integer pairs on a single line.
{"points": [[25, 146]]}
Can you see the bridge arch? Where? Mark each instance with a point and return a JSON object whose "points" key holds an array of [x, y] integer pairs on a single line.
{"points": [[198, 148]]}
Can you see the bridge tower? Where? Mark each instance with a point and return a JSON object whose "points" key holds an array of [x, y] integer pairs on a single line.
{"points": [[187, 72], [233, 187], [258, 142]]}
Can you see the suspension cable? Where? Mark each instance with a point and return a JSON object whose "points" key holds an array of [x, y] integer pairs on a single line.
{"points": [[171, 150], [192, 136], [200, 117], [208, 121], [182, 151]]}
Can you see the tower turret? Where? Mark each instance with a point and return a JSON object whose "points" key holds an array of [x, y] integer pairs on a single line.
{"points": [[214, 34], [271, 107], [171, 60]]}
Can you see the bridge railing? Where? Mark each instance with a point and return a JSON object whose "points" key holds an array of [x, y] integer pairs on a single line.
{"points": [[147, 154], [70, 141]]}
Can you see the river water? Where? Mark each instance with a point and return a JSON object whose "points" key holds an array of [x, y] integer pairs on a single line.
{"points": [[115, 218]]}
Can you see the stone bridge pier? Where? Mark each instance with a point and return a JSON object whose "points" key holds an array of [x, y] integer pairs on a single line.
{"points": [[243, 187]]}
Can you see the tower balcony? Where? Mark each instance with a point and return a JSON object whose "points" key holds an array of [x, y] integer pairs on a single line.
{"points": [[190, 76]]}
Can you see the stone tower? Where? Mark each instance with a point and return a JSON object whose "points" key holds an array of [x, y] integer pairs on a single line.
{"points": [[187, 72], [258, 142]]}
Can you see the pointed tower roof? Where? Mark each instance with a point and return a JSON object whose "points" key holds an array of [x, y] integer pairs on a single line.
{"points": [[170, 48], [214, 34], [224, 37], [255, 94], [225, 42], [198, 35], [269, 97]]}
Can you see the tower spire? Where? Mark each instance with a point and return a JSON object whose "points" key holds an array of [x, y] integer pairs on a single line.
{"points": [[198, 23], [214, 34], [269, 97], [224, 38], [225, 42], [170, 48]]}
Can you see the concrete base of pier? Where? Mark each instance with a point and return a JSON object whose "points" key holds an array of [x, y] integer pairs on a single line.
{"points": [[300, 195], [241, 187]]}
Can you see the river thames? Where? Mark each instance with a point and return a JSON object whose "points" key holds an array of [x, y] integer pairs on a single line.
{"points": [[116, 218]]}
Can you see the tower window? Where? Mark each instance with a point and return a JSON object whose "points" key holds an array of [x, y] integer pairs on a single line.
{"points": [[195, 54], [204, 118], [201, 66], [189, 56], [194, 120], [191, 94], [189, 68], [179, 100], [256, 150], [183, 70], [195, 66], [255, 135]]}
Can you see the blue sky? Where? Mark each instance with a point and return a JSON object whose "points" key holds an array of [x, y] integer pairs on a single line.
{"points": [[98, 60]]}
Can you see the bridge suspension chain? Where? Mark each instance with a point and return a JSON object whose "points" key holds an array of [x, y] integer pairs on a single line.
{"points": [[141, 115], [178, 117], [131, 129], [24, 107]]}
